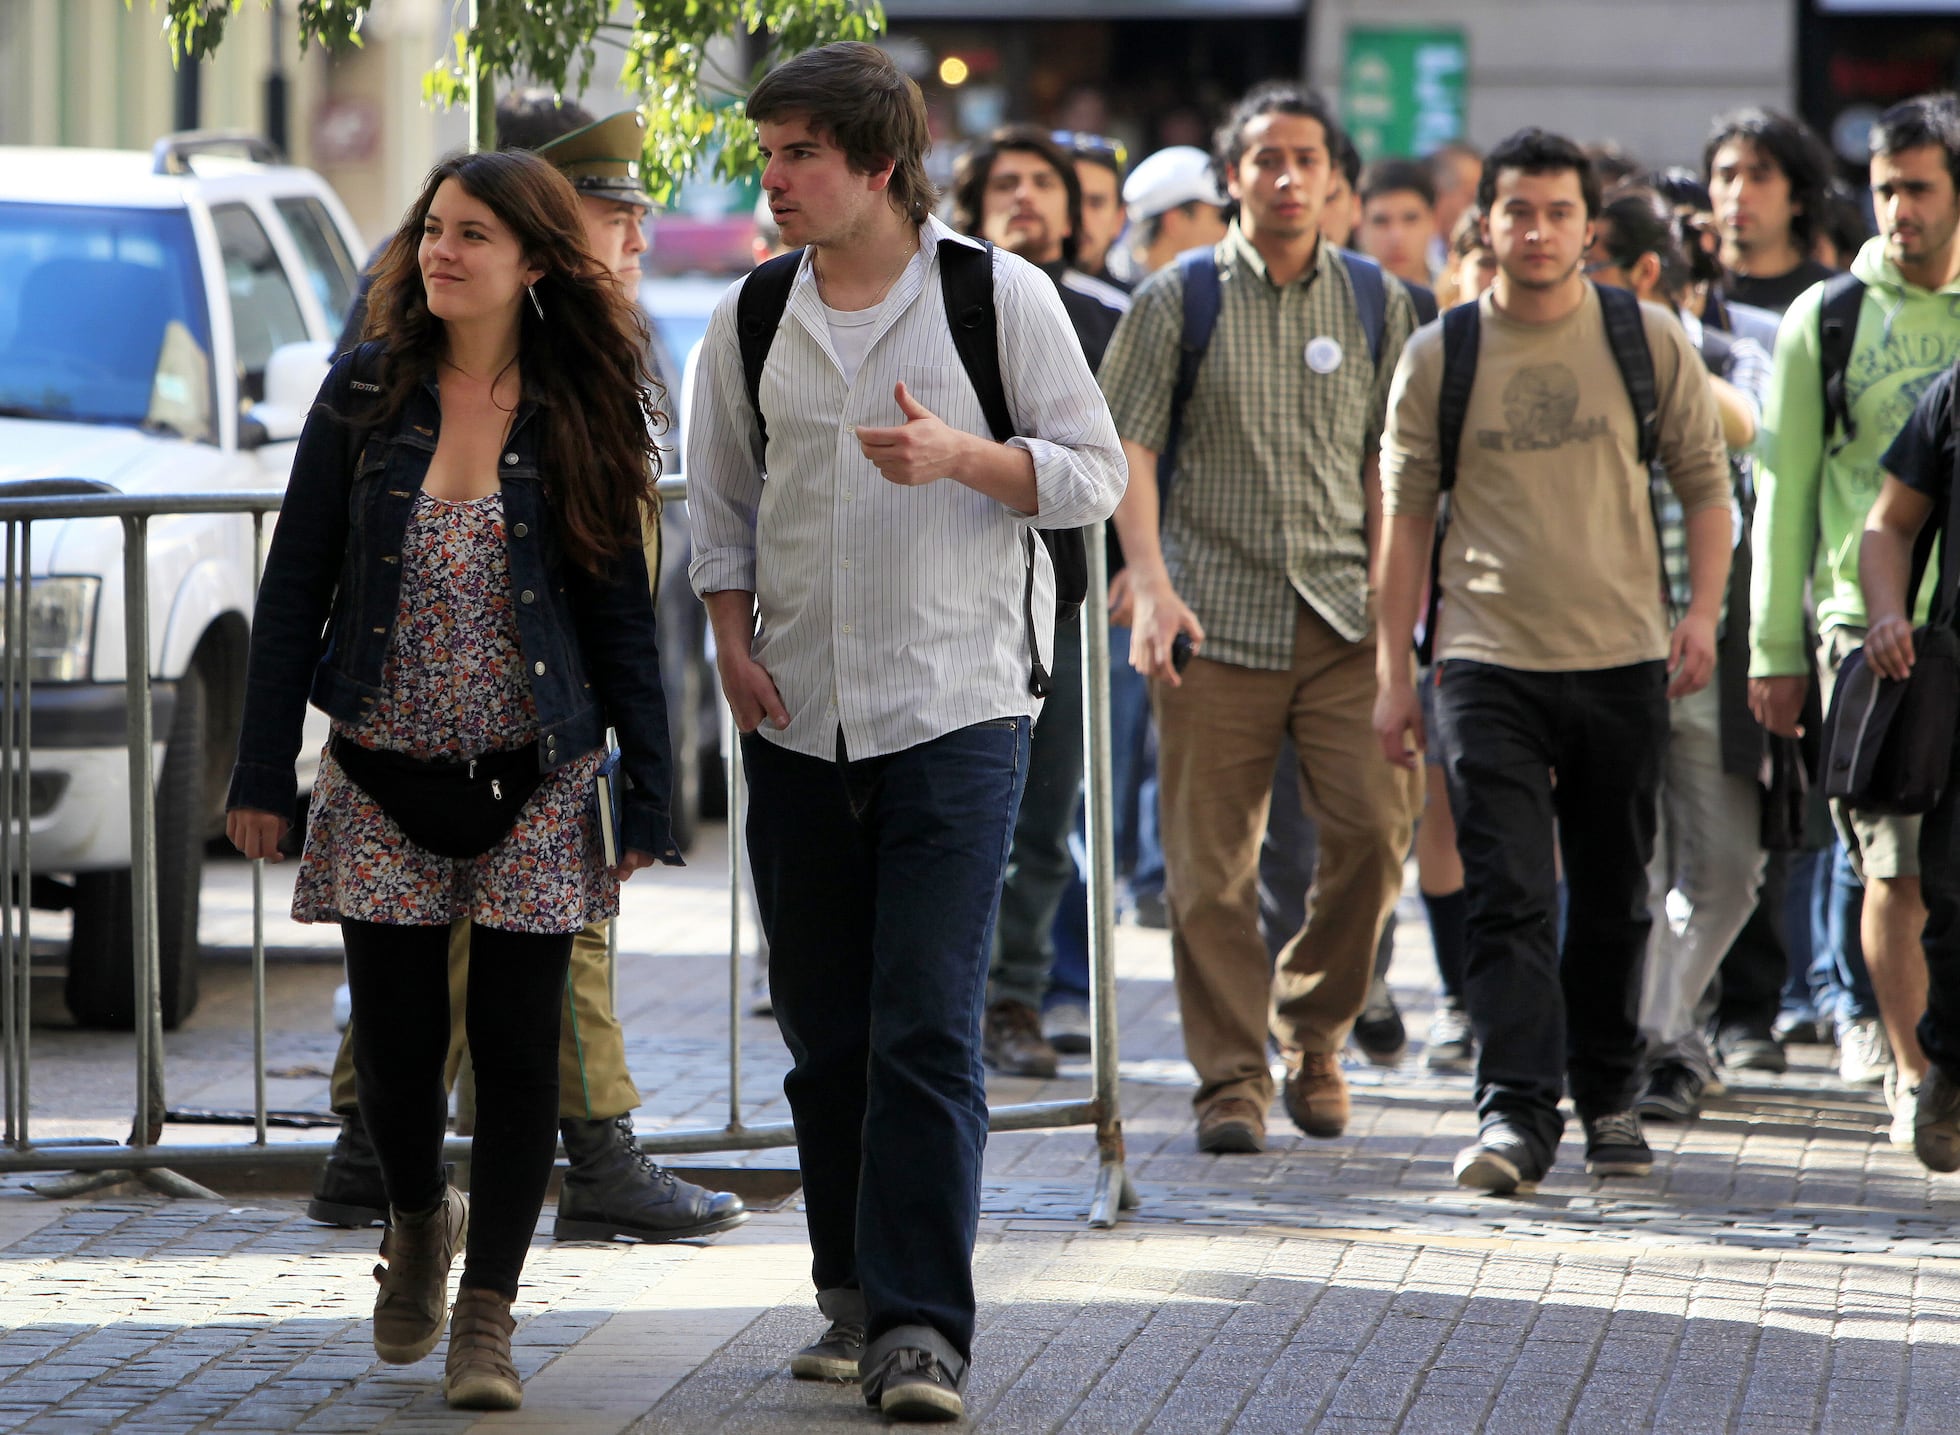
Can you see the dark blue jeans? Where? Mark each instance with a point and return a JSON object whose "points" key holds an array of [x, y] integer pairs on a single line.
{"points": [[878, 881], [1040, 866], [1546, 1016]]}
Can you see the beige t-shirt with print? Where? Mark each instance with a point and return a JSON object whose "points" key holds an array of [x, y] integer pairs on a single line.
{"points": [[1550, 563]]}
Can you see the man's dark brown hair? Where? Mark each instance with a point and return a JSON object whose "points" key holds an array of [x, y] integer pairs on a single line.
{"points": [[855, 96], [976, 167]]}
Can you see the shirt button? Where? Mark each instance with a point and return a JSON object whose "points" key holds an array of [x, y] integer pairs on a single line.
{"points": [[538, 668], [528, 596], [847, 495], [509, 459], [522, 530], [847, 627], [847, 562]]}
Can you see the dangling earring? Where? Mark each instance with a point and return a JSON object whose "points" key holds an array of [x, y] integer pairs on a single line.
{"points": [[532, 290]]}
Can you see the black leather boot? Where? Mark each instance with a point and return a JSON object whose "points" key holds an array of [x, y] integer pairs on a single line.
{"points": [[349, 1192], [615, 1189]]}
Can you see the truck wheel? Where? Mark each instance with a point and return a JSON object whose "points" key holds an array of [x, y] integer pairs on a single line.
{"points": [[101, 989]]}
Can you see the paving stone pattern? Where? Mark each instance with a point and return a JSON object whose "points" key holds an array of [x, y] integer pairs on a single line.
{"points": [[1783, 1270]]}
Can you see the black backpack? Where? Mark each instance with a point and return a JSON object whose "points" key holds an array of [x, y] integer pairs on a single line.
{"points": [[1626, 333], [966, 278]]}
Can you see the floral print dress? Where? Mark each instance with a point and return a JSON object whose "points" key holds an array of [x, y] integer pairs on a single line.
{"points": [[454, 686]]}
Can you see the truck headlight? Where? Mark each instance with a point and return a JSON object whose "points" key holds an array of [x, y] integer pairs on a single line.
{"points": [[60, 629]]}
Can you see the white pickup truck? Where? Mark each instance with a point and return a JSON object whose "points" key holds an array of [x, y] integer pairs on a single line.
{"points": [[165, 321]]}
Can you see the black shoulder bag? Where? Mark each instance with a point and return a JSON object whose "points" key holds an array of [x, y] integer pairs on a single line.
{"points": [[1888, 744]]}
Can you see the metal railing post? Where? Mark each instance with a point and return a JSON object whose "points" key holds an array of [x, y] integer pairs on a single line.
{"points": [[23, 803], [142, 832], [258, 905], [10, 1017], [738, 798], [1113, 1192]]}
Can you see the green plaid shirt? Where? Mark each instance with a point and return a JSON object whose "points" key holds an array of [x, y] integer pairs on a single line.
{"points": [[1267, 500]]}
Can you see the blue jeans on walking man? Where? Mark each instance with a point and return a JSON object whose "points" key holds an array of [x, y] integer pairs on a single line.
{"points": [[878, 882]]}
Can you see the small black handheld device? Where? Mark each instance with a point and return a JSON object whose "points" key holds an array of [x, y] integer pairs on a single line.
{"points": [[1181, 652]]}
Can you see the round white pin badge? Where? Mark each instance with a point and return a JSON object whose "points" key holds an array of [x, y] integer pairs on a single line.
{"points": [[1324, 355]]}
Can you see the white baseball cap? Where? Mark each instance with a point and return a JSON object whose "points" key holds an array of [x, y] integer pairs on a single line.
{"points": [[1168, 178]]}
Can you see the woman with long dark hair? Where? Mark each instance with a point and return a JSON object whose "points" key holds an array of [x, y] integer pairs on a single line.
{"points": [[457, 581]]}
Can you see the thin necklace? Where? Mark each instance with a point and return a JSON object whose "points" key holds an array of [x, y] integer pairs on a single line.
{"points": [[817, 268]]}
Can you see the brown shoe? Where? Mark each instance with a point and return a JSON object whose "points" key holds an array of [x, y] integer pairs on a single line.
{"points": [[1232, 1126], [417, 1251], [1316, 1093], [478, 1374], [1012, 1041]]}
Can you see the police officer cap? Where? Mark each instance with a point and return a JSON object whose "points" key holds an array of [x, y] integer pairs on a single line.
{"points": [[603, 159], [1168, 178]]}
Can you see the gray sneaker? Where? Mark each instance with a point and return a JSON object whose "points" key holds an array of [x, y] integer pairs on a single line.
{"points": [[836, 1355], [1936, 1122], [913, 1373]]}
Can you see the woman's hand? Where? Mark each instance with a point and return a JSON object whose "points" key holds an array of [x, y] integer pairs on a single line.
{"points": [[256, 834], [632, 862]]}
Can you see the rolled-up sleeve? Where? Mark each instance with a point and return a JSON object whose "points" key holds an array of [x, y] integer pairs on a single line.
{"points": [[724, 462], [1064, 423]]}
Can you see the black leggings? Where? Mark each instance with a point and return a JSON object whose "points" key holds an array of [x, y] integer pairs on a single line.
{"points": [[399, 979]]}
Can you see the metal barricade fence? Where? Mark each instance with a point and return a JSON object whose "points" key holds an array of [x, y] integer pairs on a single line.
{"points": [[157, 1162]]}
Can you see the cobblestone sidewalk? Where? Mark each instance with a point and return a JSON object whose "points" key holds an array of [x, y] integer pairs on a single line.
{"points": [[1783, 1270]]}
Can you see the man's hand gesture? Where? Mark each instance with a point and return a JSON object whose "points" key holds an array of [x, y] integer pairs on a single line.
{"points": [[922, 450]]}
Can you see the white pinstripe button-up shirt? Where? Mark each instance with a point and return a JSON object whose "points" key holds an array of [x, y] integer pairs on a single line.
{"points": [[894, 612]]}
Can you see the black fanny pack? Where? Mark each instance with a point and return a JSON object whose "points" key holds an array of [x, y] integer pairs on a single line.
{"points": [[453, 809]]}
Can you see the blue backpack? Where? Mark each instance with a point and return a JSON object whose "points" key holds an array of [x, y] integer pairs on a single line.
{"points": [[1202, 300]]}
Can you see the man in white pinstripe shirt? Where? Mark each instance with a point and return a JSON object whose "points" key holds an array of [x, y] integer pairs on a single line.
{"points": [[867, 601]]}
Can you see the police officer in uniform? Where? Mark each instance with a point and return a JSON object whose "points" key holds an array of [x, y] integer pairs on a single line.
{"points": [[612, 1188]]}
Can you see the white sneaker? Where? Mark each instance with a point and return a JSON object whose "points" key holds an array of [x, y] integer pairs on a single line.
{"points": [[1864, 1055], [1904, 1101]]}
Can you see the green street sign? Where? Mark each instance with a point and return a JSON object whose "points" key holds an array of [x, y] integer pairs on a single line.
{"points": [[1402, 90]]}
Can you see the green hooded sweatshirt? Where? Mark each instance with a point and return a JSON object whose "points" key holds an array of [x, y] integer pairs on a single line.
{"points": [[1812, 497]]}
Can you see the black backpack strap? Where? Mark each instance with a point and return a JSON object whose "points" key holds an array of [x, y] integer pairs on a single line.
{"points": [[1626, 332], [1423, 299], [966, 280], [1626, 335], [1203, 297], [1462, 333], [1370, 292], [758, 314], [1844, 296]]}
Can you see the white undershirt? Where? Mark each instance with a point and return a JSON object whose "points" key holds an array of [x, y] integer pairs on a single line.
{"points": [[851, 331]]}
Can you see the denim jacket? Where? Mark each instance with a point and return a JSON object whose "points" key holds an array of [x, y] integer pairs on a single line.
{"points": [[327, 607]]}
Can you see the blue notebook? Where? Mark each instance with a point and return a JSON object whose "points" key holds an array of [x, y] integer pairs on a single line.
{"points": [[609, 789]]}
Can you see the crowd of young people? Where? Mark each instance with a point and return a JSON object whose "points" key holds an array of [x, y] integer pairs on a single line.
{"points": [[1529, 591]]}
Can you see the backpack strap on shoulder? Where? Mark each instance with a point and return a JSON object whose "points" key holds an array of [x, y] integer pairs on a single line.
{"points": [[966, 281], [758, 314], [1370, 299], [1203, 297], [1462, 333], [1462, 330], [1626, 332], [1837, 319]]}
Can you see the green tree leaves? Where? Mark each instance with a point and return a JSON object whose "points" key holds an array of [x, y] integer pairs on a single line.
{"points": [[671, 53]]}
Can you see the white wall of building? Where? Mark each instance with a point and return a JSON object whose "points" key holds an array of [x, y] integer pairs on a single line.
{"points": [[1647, 73]]}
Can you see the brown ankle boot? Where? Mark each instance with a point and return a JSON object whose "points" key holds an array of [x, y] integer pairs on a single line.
{"points": [[479, 1375], [414, 1295]]}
